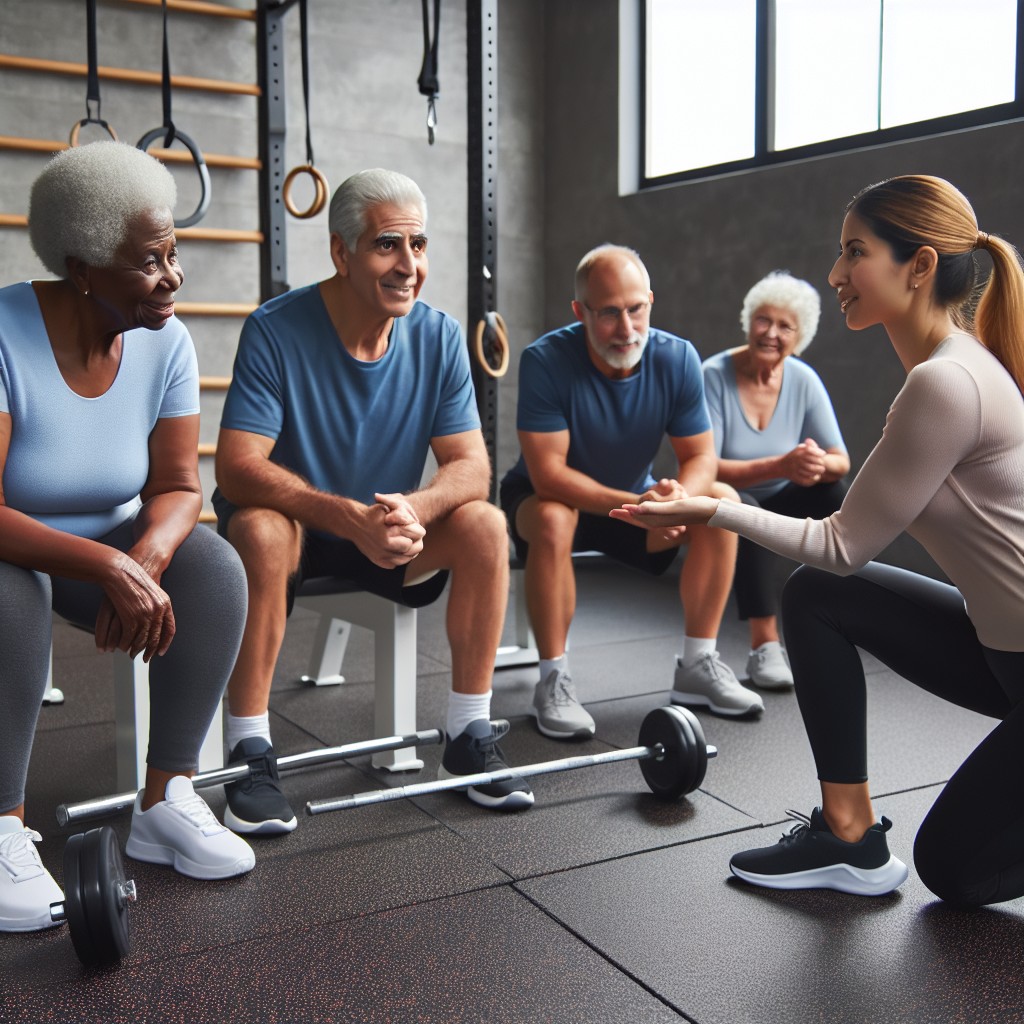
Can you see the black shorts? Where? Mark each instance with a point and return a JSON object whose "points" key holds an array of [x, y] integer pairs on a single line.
{"points": [[341, 559], [620, 541]]}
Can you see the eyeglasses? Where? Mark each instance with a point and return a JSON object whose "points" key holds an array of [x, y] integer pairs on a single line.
{"points": [[784, 330], [609, 315]]}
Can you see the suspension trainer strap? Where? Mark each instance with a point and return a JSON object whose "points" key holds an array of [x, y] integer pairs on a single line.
{"points": [[92, 88], [304, 36], [428, 83], [165, 87]]}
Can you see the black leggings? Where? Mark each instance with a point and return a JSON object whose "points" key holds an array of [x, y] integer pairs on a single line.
{"points": [[970, 848], [755, 584]]}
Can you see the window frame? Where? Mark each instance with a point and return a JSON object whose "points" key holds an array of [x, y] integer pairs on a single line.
{"points": [[764, 157]]}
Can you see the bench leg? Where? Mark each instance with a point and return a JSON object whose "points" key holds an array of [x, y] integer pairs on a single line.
{"points": [[395, 688], [332, 636], [524, 650]]}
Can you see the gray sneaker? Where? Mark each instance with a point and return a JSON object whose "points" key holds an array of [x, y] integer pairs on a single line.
{"points": [[711, 683], [768, 668], [559, 713]]}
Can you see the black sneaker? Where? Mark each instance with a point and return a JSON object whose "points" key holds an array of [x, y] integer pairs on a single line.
{"points": [[476, 750], [256, 805], [809, 856]]}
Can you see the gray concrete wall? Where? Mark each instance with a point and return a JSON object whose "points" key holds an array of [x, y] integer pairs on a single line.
{"points": [[366, 111], [706, 242]]}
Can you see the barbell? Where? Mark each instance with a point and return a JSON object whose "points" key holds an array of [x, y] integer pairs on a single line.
{"points": [[96, 898], [68, 814], [673, 758]]}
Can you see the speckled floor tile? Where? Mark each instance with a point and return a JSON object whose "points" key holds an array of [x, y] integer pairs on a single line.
{"points": [[724, 952], [487, 956]]}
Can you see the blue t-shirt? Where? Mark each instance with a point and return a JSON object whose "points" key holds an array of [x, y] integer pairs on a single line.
{"points": [[78, 464], [803, 410], [615, 426], [349, 427]]}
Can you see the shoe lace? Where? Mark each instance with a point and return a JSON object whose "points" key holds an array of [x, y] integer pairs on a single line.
{"points": [[563, 693], [491, 754], [802, 824], [18, 854], [197, 812]]}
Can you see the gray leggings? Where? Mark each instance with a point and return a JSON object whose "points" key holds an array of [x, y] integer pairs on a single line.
{"points": [[206, 584]]}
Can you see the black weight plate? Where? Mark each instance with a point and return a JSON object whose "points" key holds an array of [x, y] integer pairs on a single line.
{"points": [[682, 768], [74, 909], [101, 874]]}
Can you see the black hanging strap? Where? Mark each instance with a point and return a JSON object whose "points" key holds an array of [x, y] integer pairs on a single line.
{"points": [[304, 35], [165, 87], [172, 134], [92, 89], [428, 83]]}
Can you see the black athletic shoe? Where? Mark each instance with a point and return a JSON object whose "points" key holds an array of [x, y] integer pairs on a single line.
{"points": [[476, 750], [809, 856], [256, 805]]}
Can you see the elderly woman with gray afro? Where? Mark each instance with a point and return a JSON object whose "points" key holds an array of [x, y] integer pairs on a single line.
{"points": [[100, 501], [778, 444]]}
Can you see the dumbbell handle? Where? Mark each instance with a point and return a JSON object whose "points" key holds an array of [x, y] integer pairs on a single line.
{"points": [[379, 796]]}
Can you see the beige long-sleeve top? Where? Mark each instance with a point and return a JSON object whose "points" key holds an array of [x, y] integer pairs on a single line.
{"points": [[948, 470]]}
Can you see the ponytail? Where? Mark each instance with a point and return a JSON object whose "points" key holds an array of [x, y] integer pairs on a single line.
{"points": [[999, 320]]}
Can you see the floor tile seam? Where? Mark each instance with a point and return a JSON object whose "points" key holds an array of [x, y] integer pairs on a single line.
{"points": [[659, 848], [606, 957]]}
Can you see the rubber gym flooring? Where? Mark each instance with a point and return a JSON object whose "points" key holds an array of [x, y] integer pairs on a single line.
{"points": [[599, 904]]}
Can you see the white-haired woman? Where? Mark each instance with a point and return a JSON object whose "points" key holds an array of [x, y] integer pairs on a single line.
{"points": [[99, 424], [778, 444]]}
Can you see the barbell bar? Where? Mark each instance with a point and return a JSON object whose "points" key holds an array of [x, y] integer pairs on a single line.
{"points": [[673, 758], [69, 814]]}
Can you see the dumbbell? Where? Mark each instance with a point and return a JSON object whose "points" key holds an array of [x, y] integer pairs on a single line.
{"points": [[673, 759], [96, 898]]}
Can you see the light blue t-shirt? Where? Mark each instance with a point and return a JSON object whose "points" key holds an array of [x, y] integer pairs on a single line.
{"points": [[349, 427], [615, 426], [78, 464], [803, 410]]}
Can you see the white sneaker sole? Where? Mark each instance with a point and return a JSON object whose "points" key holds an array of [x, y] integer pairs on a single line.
{"points": [[841, 877], [269, 827], [704, 701], [34, 924], [157, 853], [583, 732], [772, 684], [514, 801]]}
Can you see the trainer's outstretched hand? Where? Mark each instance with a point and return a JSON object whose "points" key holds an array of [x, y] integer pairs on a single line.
{"points": [[656, 515]]}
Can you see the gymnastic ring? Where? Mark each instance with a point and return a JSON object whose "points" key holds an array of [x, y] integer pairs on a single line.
{"points": [[73, 137], [200, 164], [320, 184], [500, 337]]}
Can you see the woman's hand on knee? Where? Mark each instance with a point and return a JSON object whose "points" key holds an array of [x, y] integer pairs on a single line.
{"points": [[136, 615]]}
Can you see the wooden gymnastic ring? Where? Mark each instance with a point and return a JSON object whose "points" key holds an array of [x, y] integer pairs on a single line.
{"points": [[319, 182], [500, 343], [73, 137]]}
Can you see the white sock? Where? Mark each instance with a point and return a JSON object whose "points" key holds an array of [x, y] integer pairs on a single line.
{"points": [[242, 728], [695, 647], [464, 708], [767, 646], [549, 665]]}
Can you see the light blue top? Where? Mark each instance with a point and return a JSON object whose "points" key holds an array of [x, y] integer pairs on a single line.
{"points": [[615, 426], [78, 464], [347, 426], [803, 410]]}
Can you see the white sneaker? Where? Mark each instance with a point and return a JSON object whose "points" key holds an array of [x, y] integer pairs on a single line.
{"points": [[182, 831], [768, 667], [26, 888], [558, 711], [709, 682]]}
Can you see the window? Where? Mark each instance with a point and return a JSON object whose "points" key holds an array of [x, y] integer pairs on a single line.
{"points": [[732, 84]]}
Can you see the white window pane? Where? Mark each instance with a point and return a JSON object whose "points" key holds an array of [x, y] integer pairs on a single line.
{"points": [[700, 83], [826, 70], [944, 56]]}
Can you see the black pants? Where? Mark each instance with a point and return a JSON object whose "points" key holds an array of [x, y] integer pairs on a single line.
{"points": [[970, 847], [755, 583]]}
